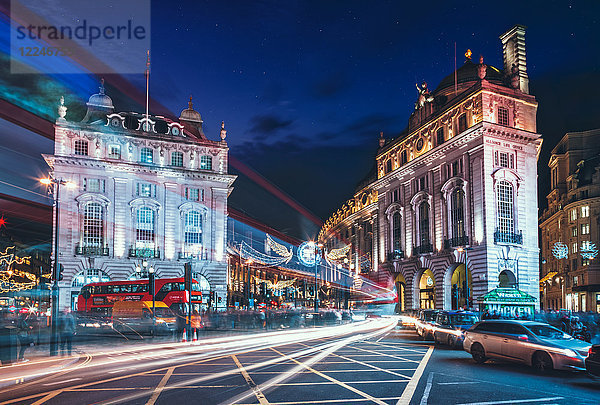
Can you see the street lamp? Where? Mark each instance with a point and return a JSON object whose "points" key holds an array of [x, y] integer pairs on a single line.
{"points": [[148, 270], [248, 262], [54, 296], [317, 246]]}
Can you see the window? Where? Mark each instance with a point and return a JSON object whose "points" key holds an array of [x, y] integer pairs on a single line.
{"points": [[585, 211], [574, 214], [505, 196], [145, 190], [388, 166], [585, 229], [93, 185], [81, 147], [574, 231], [145, 228], [424, 223], [504, 159], [193, 231], [554, 177], [462, 123], [395, 195], [146, 155], [457, 213], [457, 167], [114, 152], [205, 162], [503, 116], [574, 247], [575, 280], [403, 157], [93, 231], [422, 183], [194, 194], [440, 135], [397, 231], [177, 159]]}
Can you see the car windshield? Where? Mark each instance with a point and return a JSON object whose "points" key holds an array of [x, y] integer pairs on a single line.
{"points": [[463, 319], [429, 316], [547, 331]]}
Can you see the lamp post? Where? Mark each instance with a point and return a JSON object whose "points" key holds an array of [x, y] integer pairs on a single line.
{"points": [[148, 270], [54, 296], [248, 262], [317, 246]]}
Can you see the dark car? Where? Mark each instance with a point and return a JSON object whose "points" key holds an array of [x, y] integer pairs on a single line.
{"points": [[592, 362], [450, 327]]}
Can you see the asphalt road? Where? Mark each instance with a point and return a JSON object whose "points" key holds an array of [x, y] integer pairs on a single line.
{"points": [[365, 362]]}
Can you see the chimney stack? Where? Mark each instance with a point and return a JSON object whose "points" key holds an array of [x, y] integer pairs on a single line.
{"points": [[513, 48]]}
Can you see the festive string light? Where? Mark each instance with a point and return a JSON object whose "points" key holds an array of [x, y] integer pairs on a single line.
{"points": [[589, 250], [280, 285], [338, 254], [560, 250], [248, 252], [8, 273], [280, 249]]}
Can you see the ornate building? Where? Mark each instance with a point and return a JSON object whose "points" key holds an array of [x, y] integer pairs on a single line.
{"points": [[570, 228], [458, 186], [146, 189]]}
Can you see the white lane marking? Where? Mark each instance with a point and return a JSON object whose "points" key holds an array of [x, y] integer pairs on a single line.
{"points": [[330, 401], [425, 396], [346, 382], [459, 383], [62, 382], [257, 392], [514, 401], [118, 371], [389, 355], [409, 391]]}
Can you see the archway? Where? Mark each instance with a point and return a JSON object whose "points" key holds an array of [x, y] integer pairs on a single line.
{"points": [[461, 287], [427, 290], [506, 279], [400, 283]]}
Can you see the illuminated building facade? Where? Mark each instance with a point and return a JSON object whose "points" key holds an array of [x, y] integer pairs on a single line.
{"points": [[458, 186], [569, 227], [146, 189]]}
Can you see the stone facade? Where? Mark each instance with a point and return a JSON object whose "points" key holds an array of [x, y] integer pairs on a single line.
{"points": [[570, 269], [458, 186], [144, 188]]}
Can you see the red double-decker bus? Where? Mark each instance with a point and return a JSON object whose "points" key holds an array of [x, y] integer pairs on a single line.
{"points": [[99, 298]]}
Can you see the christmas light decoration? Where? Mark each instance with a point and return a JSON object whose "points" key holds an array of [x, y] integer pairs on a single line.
{"points": [[560, 250], [307, 254], [280, 285], [337, 254], [588, 250], [8, 273], [280, 249], [248, 252]]}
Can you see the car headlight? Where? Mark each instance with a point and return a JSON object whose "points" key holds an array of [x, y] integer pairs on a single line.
{"points": [[570, 353]]}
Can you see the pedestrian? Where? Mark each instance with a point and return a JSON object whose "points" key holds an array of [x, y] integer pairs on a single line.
{"points": [[179, 325], [25, 340], [196, 323], [67, 331], [486, 314]]}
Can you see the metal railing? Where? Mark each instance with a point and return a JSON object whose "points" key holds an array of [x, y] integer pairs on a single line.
{"points": [[395, 255], [422, 249], [456, 242], [192, 256], [91, 251], [508, 237], [144, 253]]}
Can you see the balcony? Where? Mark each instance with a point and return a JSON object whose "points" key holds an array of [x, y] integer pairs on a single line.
{"points": [[144, 253], [91, 251], [395, 255], [508, 237], [425, 248], [192, 256], [456, 242]]}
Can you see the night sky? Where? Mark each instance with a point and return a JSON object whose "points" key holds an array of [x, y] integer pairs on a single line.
{"points": [[305, 87]]}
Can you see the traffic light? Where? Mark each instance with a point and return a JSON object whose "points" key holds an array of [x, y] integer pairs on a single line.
{"points": [[219, 299], [212, 298], [187, 275]]}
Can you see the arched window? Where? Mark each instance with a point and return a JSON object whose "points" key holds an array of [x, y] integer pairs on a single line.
{"points": [[202, 283], [424, 224], [144, 238], [89, 276], [507, 279], [93, 226], [193, 234], [388, 166], [505, 196], [397, 231], [146, 155], [457, 216], [205, 162]]}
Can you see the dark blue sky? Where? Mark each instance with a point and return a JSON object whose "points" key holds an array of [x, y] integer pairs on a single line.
{"points": [[305, 87]]}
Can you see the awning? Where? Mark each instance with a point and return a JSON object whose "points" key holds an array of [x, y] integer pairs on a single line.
{"points": [[507, 296], [548, 276]]}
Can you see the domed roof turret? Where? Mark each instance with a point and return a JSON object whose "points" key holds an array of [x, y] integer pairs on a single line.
{"points": [[469, 73], [98, 106], [189, 114]]}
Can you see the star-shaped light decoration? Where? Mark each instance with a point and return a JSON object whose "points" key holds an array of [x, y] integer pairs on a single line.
{"points": [[2, 221]]}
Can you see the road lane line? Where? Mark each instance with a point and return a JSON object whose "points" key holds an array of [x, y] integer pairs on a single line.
{"points": [[458, 383], [338, 382], [409, 391], [425, 396], [388, 355], [257, 393], [47, 397], [62, 382], [514, 401], [160, 386]]}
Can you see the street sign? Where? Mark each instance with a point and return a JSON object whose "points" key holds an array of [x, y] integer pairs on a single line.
{"points": [[12, 308]]}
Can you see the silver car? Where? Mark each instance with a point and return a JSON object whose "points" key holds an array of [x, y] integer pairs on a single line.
{"points": [[534, 343]]}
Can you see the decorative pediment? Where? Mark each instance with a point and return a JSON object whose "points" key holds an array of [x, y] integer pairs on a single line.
{"points": [[418, 198], [87, 198]]}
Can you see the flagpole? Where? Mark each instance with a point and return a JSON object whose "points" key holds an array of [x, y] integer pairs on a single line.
{"points": [[147, 90]]}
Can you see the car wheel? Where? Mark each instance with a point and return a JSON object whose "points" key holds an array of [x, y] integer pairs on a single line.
{"points": [[451, 341], [542, 362], [478, 353]]}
